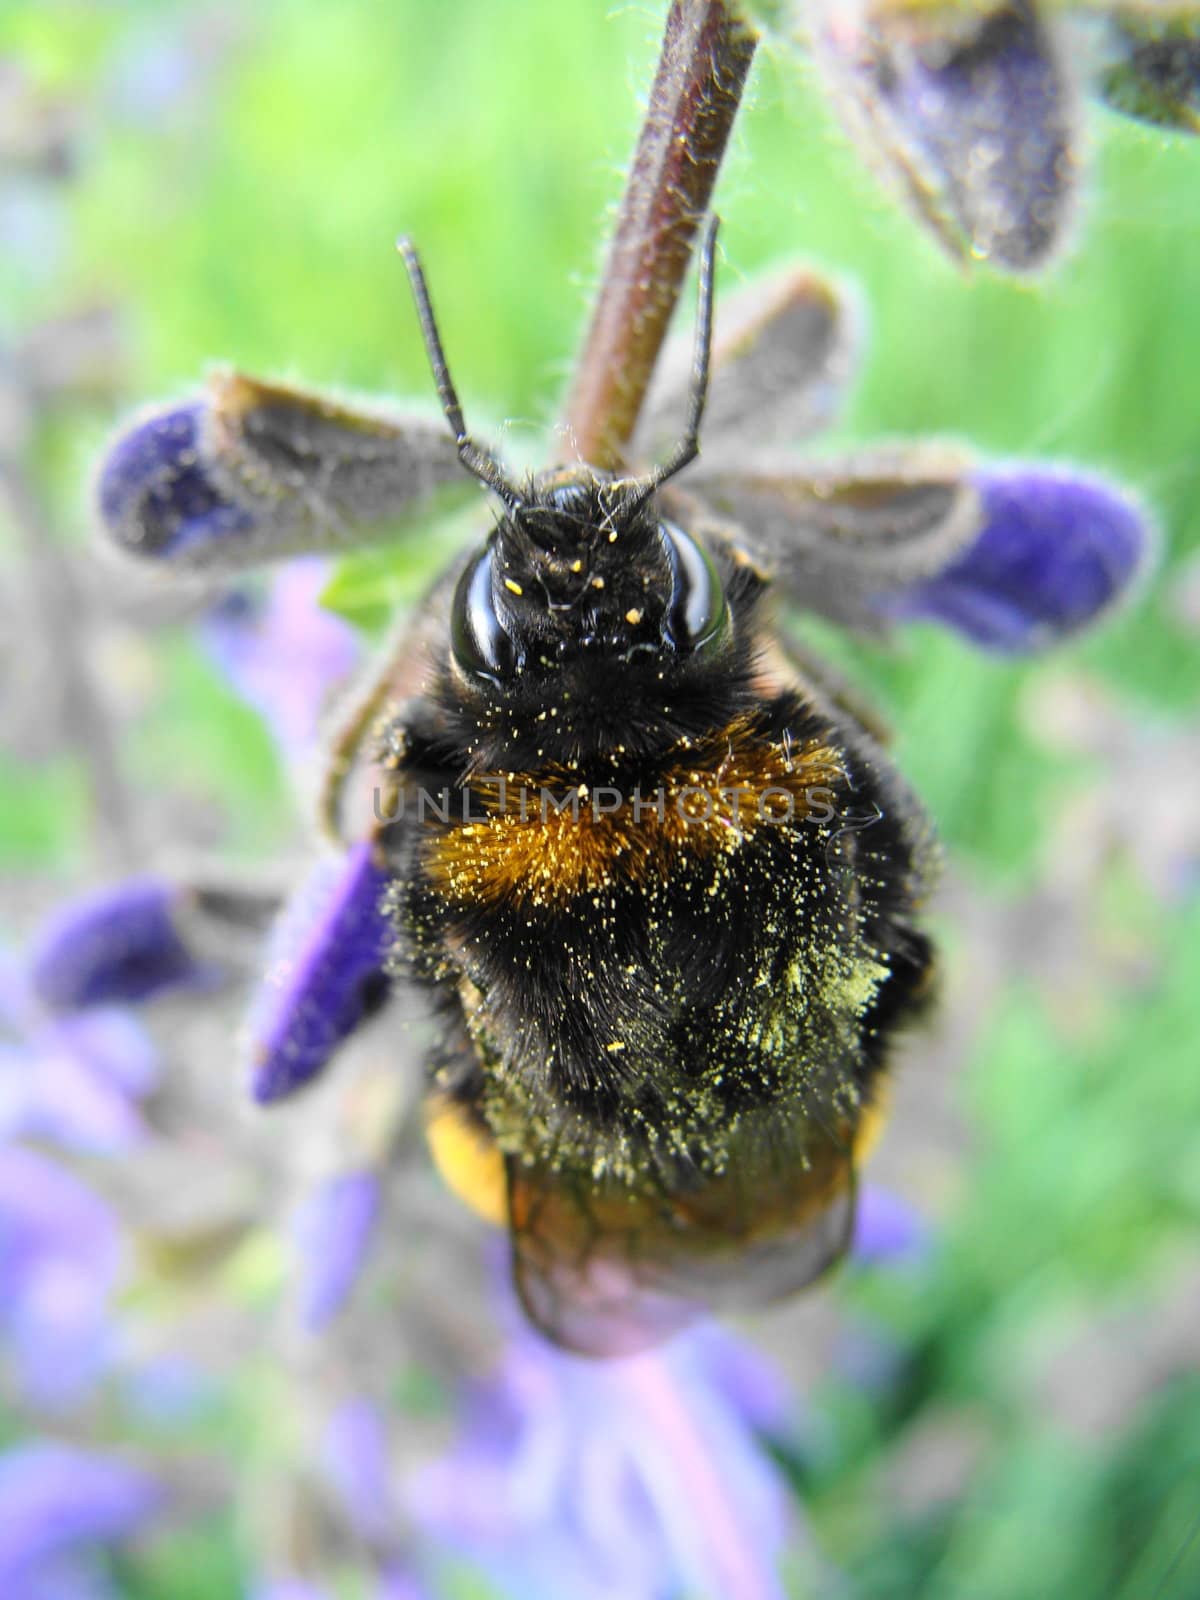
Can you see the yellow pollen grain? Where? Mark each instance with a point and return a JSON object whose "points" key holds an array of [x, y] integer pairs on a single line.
{"points": [[513, 588], [597, 583], [633, 616], [577, 566]]}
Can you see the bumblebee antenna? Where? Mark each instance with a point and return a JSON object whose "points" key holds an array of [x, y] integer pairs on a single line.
{"points": [[688, 447], [477, 461]]}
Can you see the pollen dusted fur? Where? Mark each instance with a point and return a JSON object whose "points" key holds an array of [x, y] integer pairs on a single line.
{"points": [[672, 928], [540, 843], [668, 988], [637, 989]]}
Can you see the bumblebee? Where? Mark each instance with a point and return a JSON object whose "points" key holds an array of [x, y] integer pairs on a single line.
{"points": [[654, 870], [663, 887]]}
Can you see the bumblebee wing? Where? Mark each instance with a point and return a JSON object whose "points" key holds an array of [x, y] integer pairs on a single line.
{"points": [[838, 537], [580, 1270], [247, 472], [608, 1274]]}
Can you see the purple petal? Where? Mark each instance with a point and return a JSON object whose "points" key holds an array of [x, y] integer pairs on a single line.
{"points": [[59, 1258], [60, 1331], [119, 944], [252, 471], [325, 973], [157, 497], [356, 1460], [55, 1498], [332, 1233], [72, 1578], [114, 1047], [641, 1477], [753, 1389], [63, 1098], [289, 1589], [43, 1207], [1056, 551], [397, 1585], [283, 652], [887, 1228], [78, 1079]]}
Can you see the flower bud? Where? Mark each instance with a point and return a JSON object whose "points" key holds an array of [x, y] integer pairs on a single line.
{"points": [[120, 944], [1152, 68], [969, 110], [250, 471], [324, 974], [1055, 552], [332, 1234]]}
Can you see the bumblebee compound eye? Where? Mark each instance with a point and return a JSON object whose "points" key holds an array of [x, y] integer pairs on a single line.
{"points": [[480, 645], [698, 620]]}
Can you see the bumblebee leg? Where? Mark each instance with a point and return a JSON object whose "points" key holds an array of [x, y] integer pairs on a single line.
{"points": [[838, 689], [368, 731]]}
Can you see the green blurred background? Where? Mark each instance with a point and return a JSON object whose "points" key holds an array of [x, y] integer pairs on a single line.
{"points": [[1025, 1420]]}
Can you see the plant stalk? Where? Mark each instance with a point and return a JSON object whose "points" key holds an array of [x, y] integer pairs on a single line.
{"points": [[706, 54]]}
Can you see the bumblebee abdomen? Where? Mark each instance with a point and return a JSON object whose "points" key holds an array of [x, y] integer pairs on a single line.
{"points": [[649, 959]]}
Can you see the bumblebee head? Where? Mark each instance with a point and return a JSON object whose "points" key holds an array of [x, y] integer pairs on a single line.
{"points": [[584, 592], [584, 575]]}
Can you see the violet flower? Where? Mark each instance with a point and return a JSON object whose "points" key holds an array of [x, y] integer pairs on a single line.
{"points": [[972, 112], [1055, 551], [332, 1233], [355, 1460], [118, 944], [972, 117], [396, 1584], [390, 1585], [58, 1502], [253, 471], [324, 973], [887, 1229], [75, 1080], [155, 489], [1014, 556], [59, 1263], [282, 651], [644, 1477]]}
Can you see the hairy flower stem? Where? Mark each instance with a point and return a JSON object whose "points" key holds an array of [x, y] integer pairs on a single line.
{"points": [[706, 55]]}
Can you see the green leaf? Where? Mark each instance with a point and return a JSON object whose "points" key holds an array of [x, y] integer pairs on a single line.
{"points": [[369, 587]]}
